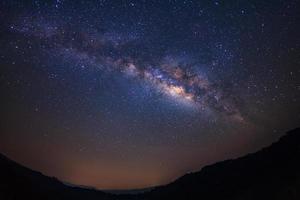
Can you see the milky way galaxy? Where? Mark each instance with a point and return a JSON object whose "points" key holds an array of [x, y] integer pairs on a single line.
{"points": [[132, 94], [168, 76]]}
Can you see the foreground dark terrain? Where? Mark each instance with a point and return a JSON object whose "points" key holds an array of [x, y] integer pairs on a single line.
{"points": [[271, 173]]}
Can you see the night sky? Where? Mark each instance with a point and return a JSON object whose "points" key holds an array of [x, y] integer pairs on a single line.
{"points": [[132, 94]]}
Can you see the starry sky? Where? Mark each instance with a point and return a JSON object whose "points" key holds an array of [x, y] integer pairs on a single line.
{"points": [[133, 94]]}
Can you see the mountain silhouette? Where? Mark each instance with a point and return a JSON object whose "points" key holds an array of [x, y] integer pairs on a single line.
{"points": [[18, 182], [271, 173]]}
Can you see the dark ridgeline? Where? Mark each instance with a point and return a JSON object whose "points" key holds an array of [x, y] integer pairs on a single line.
{"points": [[272, 173], [18, 182]]}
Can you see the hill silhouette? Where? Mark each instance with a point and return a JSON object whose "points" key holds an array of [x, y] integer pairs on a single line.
{"points": [[271, 173]]}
